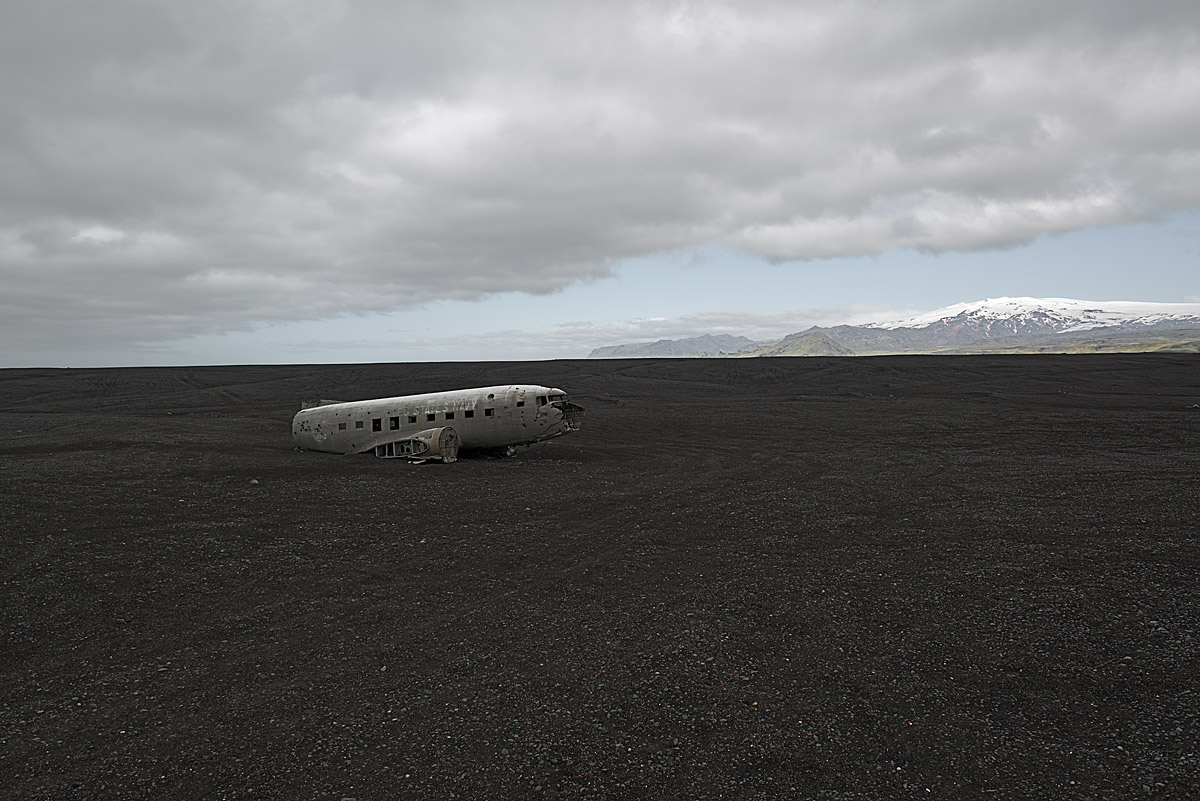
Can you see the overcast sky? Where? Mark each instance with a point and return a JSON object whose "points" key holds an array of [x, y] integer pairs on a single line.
{"points": [[187, 182]]}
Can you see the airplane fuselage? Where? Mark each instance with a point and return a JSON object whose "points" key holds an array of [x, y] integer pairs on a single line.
{"points": [[487, 417]]}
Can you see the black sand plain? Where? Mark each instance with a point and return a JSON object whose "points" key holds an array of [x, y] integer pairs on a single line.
{"points": [[905, 577]]}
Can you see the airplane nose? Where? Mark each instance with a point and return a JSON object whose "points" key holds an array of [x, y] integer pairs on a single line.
{"points": [[572, 415]]}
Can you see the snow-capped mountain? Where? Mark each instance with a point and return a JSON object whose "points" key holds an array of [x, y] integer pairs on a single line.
{"points": [[1019, 324], [996, 325], [1009, 316]]}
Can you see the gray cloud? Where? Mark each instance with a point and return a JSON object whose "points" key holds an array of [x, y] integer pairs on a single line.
{"points": [[176, 168]]}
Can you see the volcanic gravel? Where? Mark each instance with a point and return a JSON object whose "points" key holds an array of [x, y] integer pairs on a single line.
{"points": [[905, 577]]}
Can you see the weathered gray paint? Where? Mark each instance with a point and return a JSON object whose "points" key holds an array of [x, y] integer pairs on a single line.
{"points": [[316, 426]]}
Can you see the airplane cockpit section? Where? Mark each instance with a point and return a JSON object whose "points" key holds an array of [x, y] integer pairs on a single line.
{"points": [[556, 410]]}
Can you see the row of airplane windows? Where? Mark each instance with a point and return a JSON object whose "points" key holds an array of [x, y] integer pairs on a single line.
{"points": [[394, 422]]}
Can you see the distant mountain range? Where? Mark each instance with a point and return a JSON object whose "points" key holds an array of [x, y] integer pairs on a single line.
{"points": [[998, 325], [707, 345]]}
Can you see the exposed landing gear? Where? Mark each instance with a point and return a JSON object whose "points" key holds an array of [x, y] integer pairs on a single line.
{"points": [[504, 452]]}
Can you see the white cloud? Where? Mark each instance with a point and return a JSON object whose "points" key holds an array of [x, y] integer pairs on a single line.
{"points": [[933, 221], [99, 234]]}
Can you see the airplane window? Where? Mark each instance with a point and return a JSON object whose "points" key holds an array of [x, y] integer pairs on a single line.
{"points": [[520, 403], [358, 423], [469, 413], [394, 423], [341, 426], [488, 412], [449, 415], [541, 400], [412, 418], [377, 424], [430, 416]]}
